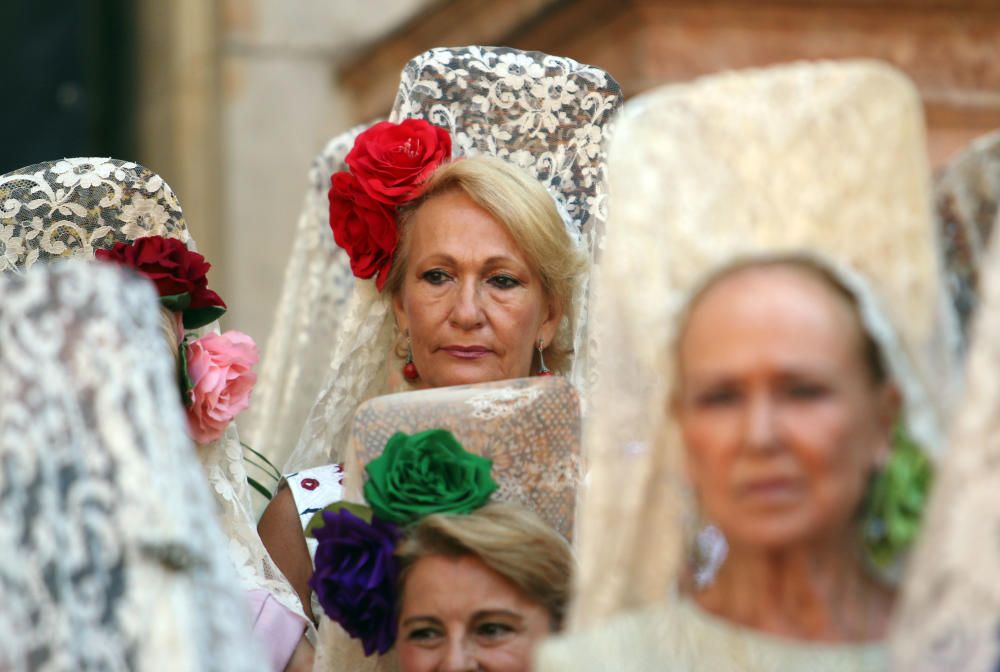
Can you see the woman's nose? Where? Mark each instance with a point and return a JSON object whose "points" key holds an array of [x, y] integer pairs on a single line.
{"points": [[459, 657], [760, 429], [467, 311]]}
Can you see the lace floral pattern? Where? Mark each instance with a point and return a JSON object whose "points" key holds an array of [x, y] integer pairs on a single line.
{"points": [[529, 427], [549, 115], [72, 207], [112, 558], [967, 196], [318, 283], [950, 612]]}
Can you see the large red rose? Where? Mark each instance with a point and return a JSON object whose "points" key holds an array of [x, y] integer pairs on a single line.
{"points": [[391, 161], [365, 228], [178, 273]]}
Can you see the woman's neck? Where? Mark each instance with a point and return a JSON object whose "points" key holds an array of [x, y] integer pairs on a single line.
{"points": [[815, 591]]}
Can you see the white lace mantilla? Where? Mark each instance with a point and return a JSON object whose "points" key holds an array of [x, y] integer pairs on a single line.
{"points": [[317, 286], [827, 159], [112, 559], [73, 207], [546, 114], [950, 612]]}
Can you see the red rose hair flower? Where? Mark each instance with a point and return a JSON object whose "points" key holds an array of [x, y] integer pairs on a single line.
{"points": [[391, 161], [365, 228], [178, 273], [388, 164]]}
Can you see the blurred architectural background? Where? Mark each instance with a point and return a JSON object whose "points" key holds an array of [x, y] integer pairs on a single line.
{"points": [[230, 99]]}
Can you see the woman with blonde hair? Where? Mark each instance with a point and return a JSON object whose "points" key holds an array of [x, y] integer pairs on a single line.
{"points": [[468, 242], [480, 590]]}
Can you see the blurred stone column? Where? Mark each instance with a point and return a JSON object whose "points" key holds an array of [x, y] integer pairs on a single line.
{"points": [[178, 114]]}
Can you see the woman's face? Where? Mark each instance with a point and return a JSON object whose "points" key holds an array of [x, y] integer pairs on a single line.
{"points": [[781, 419], [472, 304], [458, 614]]}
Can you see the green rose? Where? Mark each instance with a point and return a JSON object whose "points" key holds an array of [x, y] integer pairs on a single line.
{"points": [[428, 472]]}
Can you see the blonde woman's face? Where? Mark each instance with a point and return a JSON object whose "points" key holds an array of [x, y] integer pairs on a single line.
{"points": [[781, 420], [472, 304], [458, 614]]}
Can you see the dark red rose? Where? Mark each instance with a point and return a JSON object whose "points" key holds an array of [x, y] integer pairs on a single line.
{"points": [[391, 161], [365, 228], [180, 275]]}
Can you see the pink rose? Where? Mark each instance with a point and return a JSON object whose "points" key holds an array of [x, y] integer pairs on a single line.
{"points": [[220, 370]]}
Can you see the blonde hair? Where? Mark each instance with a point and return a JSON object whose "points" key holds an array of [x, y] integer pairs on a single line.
{"points": [[168, 327], [521, 204], [508, 539]]}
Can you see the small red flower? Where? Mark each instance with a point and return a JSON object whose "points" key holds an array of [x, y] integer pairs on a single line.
{"points": [[309, 483], [179, 274]]}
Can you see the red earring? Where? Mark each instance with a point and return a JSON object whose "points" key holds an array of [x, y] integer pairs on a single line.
{"points": [[542, 369], [410, 369]]}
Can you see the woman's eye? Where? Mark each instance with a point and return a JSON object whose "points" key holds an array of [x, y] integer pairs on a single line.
{"points": [[423, 634], [718, 398], [805, 391], [493, 630], [435, 276], [504, 282]]}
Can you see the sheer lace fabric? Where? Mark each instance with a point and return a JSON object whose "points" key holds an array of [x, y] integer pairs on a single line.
{"points": [[950, 612], [967, 195], [529, 427], [546, 114], [823, 158], [318, 283], [72, 207], [112, 559]]}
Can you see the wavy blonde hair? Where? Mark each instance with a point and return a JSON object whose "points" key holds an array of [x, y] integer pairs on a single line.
{"points": [[522, 205], [510, 540]]}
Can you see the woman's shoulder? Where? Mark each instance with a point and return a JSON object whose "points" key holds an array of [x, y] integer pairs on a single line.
{"points": [[680, 636]]}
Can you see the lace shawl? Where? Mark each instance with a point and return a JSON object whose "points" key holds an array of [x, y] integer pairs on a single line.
{"points": [[112, 559], [70, 208], [317, 286], [822, 158], [950, 610], [967, 196]]}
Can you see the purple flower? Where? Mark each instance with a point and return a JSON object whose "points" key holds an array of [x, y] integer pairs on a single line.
{"points": [[355, 578]]}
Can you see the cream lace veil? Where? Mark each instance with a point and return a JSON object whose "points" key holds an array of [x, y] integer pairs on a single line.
{"points": [[72, 207], [111, 557], [318, 283], [950, 613], [546, 114], [820, 158], [967, 196]]}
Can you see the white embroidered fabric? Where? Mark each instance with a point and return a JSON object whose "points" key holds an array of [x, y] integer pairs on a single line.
{"points": [[317, 285], [824, 158], [950, 611], [967, 196], [546, 114], [72, 207], [111, 557]]}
